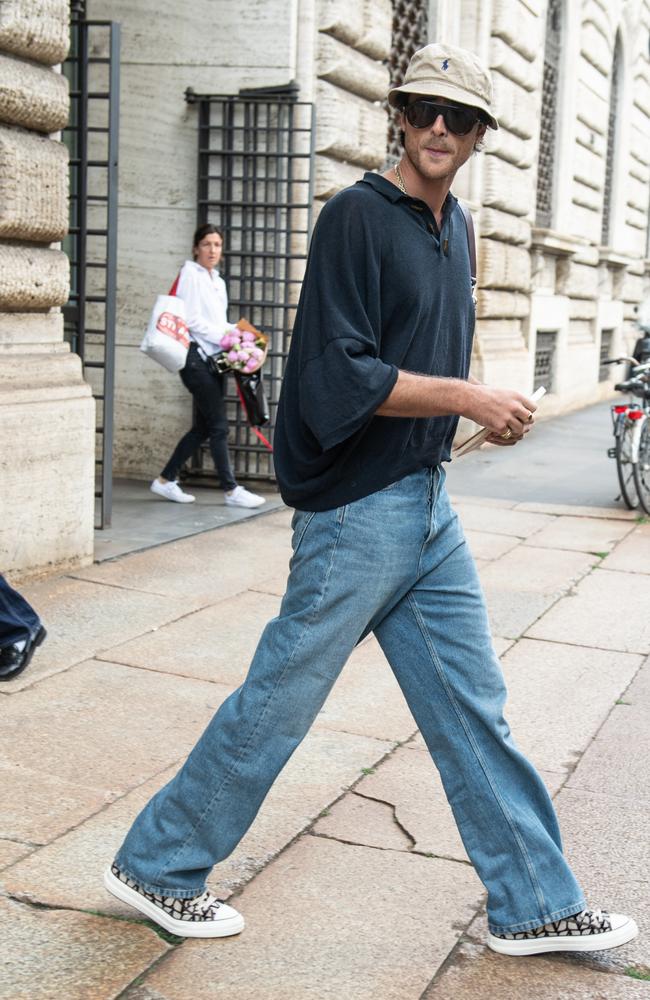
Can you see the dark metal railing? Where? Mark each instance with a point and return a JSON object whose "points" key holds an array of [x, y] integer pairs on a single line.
{"points": [[92, 139]]}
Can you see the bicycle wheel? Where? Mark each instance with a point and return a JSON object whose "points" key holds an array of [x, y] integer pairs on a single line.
{"points": [[642, 469], [624, 464]]}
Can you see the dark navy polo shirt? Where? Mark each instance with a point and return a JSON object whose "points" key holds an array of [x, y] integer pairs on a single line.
{"points": [[384, 290]]}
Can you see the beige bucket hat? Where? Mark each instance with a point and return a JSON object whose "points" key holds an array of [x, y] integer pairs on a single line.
{"points": [[440, 70]]}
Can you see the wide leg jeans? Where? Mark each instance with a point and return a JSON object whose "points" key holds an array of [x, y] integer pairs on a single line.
{"points": [[395, 563]]}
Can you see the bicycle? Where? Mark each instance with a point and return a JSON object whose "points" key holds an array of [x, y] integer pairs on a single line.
{"points": [[631, 427]]}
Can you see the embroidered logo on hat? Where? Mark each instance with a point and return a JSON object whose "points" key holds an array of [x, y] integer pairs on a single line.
{"points": [[445, 64]]}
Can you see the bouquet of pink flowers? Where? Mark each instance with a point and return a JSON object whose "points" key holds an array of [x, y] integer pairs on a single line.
{"points": [[244, 347]]}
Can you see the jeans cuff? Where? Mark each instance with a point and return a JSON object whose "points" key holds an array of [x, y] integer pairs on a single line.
{"points": [[544, 918]]}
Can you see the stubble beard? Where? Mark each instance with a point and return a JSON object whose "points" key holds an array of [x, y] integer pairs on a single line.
{"points": [[428, 169]]}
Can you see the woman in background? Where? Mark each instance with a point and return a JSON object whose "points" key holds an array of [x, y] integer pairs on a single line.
{"points": [[203, 291]]}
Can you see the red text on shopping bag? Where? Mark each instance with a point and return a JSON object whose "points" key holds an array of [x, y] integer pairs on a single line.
{"points": [[174, 327]]}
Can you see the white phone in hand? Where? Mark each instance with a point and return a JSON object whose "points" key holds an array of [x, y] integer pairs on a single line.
{"points": [[476, 440]]}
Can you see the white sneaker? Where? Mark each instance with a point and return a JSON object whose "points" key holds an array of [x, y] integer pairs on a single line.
{"points": [[171, 491], [201, 917], [239, 497], [590, 930]]}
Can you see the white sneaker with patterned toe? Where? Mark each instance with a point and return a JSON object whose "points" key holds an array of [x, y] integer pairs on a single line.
{"points": [[204, 916], [590, 930], [239, 497], [171, 491]]}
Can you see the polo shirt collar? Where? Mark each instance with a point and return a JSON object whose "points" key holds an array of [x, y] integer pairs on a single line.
{"points": [[393, 193]]}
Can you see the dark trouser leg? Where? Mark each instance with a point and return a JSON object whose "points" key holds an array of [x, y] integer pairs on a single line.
{"points": [[210, 421], [18, 620]]}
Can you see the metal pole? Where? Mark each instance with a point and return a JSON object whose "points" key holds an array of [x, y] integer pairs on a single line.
{"points": [[111, 275]]}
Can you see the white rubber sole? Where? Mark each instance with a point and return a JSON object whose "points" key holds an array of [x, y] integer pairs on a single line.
{"points": [[625, 930], [185, 498], [244, 506], [230, 923]]}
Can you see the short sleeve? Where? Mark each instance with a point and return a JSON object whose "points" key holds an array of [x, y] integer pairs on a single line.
{"points": [[341, 389], [342, 378]]}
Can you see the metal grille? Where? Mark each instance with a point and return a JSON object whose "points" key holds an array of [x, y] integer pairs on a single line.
{"points": [[256, 157], [548, 128], [604, 371], [410, 33], [605, 234], [92, 69], [545, 344]]}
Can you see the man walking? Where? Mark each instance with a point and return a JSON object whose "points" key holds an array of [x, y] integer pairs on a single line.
{"points": [[377, 377]]}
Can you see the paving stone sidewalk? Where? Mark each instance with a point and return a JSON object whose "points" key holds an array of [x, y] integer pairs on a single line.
{"points": [[353, 880]]}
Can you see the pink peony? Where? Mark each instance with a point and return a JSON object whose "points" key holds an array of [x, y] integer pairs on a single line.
{"points": [[250, 366], [243, 355], [226, 341], [233, 355], [248, 337]]}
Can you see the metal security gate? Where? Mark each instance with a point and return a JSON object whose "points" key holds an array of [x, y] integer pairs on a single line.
{"points": [[92, 69], [410, 31], [544, 373], [548, 124], [255, 181]]}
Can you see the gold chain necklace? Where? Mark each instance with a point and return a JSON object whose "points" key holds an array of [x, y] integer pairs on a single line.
{"points": [[400, 179]]}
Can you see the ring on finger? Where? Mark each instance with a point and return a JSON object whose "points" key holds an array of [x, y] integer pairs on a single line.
{"points": [[507, 434]]}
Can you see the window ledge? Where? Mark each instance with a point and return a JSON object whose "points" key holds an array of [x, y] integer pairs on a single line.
{"points": [[556, 243], [615, 257]]}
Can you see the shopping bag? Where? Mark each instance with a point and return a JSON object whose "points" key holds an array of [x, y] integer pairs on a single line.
{"points": [[167, 337]]}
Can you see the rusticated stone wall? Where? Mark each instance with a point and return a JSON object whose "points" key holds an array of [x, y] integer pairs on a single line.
{"points": [[352, 43], [46, 410], [558, 279]]}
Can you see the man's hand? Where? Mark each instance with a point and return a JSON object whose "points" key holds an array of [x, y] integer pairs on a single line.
{"points": [[507, 414]]}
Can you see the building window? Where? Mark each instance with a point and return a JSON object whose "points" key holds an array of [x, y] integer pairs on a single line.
{"points": [[604, 371], [548, 126], [410, 33], [544, 361], [614, 95]]}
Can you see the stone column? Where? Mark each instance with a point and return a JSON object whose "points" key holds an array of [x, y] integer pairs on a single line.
{"points": [[46, 408], [353, 40]]}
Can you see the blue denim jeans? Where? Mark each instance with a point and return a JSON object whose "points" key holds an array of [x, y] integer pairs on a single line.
{"points": [[395, 563]]}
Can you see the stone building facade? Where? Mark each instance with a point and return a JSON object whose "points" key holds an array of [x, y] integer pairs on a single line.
{"points": [[46, 408], [560, 194], [553, 294]]}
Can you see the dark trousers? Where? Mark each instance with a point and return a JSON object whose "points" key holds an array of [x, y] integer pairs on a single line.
{"points": [[18, 620], [210, 421]]}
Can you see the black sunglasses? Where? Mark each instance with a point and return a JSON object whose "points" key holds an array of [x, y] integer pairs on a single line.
{"points": [[459, 120]]}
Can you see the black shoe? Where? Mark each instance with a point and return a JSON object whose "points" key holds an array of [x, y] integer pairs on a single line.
{"points": [[14, 660]]}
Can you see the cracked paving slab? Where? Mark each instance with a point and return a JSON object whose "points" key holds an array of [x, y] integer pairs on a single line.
{"points": [[475, 973], [327, 920], [366, 822], [69, 871], [64, 955], [410, 783]]}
